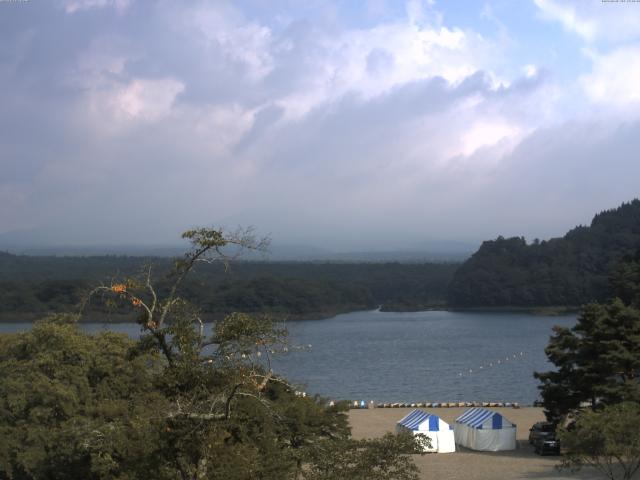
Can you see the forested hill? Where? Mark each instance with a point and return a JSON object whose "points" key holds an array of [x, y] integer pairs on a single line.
{"points": [[568, 271]]}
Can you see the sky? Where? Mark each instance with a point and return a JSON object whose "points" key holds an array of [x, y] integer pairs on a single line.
{"points": [[373, 124]]}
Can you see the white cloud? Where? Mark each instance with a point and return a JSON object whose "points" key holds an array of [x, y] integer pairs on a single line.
{"points": [[114, 106], [146, 99], [240, 40], [530, 70], [303, 66], [372, 62], [594, 20], [418, 52], [218, 129], [487, 133], [100, 63], [615, 77], [73, 6], [612, 46], [569, 17]]}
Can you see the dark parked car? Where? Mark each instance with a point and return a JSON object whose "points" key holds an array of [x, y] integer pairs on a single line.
{"points": [[548, 445], [540, 430]]}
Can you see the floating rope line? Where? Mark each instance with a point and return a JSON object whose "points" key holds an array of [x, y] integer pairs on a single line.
{"points": [[493, 364]]}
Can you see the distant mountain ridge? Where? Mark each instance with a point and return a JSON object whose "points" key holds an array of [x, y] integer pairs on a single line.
{"points": [[569, 271], [429, 252]]}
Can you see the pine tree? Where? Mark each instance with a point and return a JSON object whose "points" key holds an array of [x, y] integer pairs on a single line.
{"points": [[598, 360]]}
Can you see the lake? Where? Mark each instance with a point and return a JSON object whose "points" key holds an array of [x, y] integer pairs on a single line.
{"points": [[433, 356]]}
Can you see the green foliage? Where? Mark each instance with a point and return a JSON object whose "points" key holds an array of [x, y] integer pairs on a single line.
{"points": [[595, 390], [598, 360], [287, 296], [607, 440], [572, 270], [385, 458], [625, 280], [205, 238], [74, 405], [177, 403]]}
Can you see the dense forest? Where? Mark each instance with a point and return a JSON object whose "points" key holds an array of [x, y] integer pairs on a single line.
{"points": [[568, 271], [34, 285]]}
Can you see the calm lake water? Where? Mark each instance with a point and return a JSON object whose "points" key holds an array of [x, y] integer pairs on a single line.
{"points": [[411, 357]]}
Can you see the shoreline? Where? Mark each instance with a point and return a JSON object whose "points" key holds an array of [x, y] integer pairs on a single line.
{"points": [[30, 317], [115, 318], [557, 310]]}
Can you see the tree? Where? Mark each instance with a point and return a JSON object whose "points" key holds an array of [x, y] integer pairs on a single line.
{"points": [[598, 360], [567, 271], [594, 395], [608, 441], [377, 459], [181, 402], [625, 280], [76, 406]]}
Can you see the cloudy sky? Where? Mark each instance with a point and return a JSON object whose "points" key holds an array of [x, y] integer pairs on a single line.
{"points": [[354, 125]]}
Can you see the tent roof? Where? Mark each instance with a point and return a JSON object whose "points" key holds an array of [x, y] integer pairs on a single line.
{"points": [[417, 417], [479, 418]]}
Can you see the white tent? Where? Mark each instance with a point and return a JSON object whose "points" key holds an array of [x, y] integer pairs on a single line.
{"points": [[437, 430], [486, 430]]}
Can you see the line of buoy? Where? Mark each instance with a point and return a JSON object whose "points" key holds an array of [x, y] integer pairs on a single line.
{"points": [[362, 404], [495, 363]]}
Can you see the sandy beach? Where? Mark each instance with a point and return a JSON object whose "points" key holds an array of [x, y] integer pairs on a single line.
{"points": [[465, 464]]}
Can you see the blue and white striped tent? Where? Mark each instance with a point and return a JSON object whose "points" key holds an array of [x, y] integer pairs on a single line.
{"points": [[437, 430], [486, 430]]}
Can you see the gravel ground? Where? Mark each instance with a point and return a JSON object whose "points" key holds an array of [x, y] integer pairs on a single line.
{"points": [[465, 464]]}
